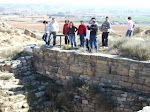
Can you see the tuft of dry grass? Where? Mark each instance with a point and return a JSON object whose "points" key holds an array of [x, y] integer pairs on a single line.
{"points": [[136, 48], [67, 47]]}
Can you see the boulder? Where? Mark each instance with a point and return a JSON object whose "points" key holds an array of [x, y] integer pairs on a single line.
{"points": [[27, 32], [147, 32], [33, 35]]}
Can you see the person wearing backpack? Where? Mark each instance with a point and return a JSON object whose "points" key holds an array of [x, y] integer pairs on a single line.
{"points": [[71, 32], [65, 28], [46, 32], [82, 33], [105, 29], [130, 27]]}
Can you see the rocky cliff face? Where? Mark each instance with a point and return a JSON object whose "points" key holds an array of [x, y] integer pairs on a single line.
{"points": [[125, 80]]}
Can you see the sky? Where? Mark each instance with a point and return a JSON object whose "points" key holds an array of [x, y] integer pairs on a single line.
{"points": [[125, 3]]}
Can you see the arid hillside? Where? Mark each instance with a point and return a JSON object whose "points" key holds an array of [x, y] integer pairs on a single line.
{"points": [[13, 40]]}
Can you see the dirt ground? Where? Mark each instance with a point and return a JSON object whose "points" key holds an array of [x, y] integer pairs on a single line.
{"points": [[119, 29]]}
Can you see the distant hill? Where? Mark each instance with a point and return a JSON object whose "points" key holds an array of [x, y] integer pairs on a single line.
{"points": [[47, 9]]}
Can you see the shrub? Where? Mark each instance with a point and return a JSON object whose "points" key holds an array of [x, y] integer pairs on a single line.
{"points": [[93, 90], [62, 100], [103, 101], [137, 30], [73, 84], [67, 47], [136, 48]]}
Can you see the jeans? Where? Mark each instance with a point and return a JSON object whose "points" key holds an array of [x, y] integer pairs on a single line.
{"points": [[93, 40], [105, 39], [82, 41], [129, 33], [54, 38], [67, 40], [72, 39], [45, 37]]}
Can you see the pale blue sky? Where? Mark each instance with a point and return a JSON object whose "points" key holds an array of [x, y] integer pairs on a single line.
{"points": [[128, 3]]}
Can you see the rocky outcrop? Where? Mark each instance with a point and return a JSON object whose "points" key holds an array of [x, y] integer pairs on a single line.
{"points": [[125, 80], [29, 33], [21, 88], [147, 32]]}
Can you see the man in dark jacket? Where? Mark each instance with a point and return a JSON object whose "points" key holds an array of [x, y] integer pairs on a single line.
{"points": [[82, 33], [93, 36]]}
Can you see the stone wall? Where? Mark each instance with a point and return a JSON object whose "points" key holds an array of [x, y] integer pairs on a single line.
{"points": [[125, 80]]}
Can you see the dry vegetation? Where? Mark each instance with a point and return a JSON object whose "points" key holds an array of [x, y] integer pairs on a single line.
{"points": [[136, 47], [13, 41]]}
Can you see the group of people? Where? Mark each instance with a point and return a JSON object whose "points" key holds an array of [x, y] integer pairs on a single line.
{"points": [[87, 33], [51, 28]]}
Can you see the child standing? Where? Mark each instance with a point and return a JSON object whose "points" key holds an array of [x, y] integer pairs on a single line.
{"points": [[46, 32], [88, 38]]}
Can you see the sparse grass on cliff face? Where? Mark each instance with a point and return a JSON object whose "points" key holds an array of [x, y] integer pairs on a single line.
{"points": [[137, 48]]}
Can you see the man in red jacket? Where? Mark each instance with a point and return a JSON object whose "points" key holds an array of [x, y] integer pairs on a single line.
{"points": [[82, 33], [65, 28]]}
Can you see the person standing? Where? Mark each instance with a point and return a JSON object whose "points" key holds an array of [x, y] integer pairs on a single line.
{"points": [[130, 27], [54, 28], [93, 35], [65, 28], [88, 37], [82, 33], [71, 32], [46, 32], [105, 29]]}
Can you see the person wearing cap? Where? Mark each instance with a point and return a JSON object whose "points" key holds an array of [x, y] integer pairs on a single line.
{"points": [[93, 35], [82, 33], [105, 32]]}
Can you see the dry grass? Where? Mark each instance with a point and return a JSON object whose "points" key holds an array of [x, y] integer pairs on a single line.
{"points": [[67, 47], [136, 48], [13, 41]]}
